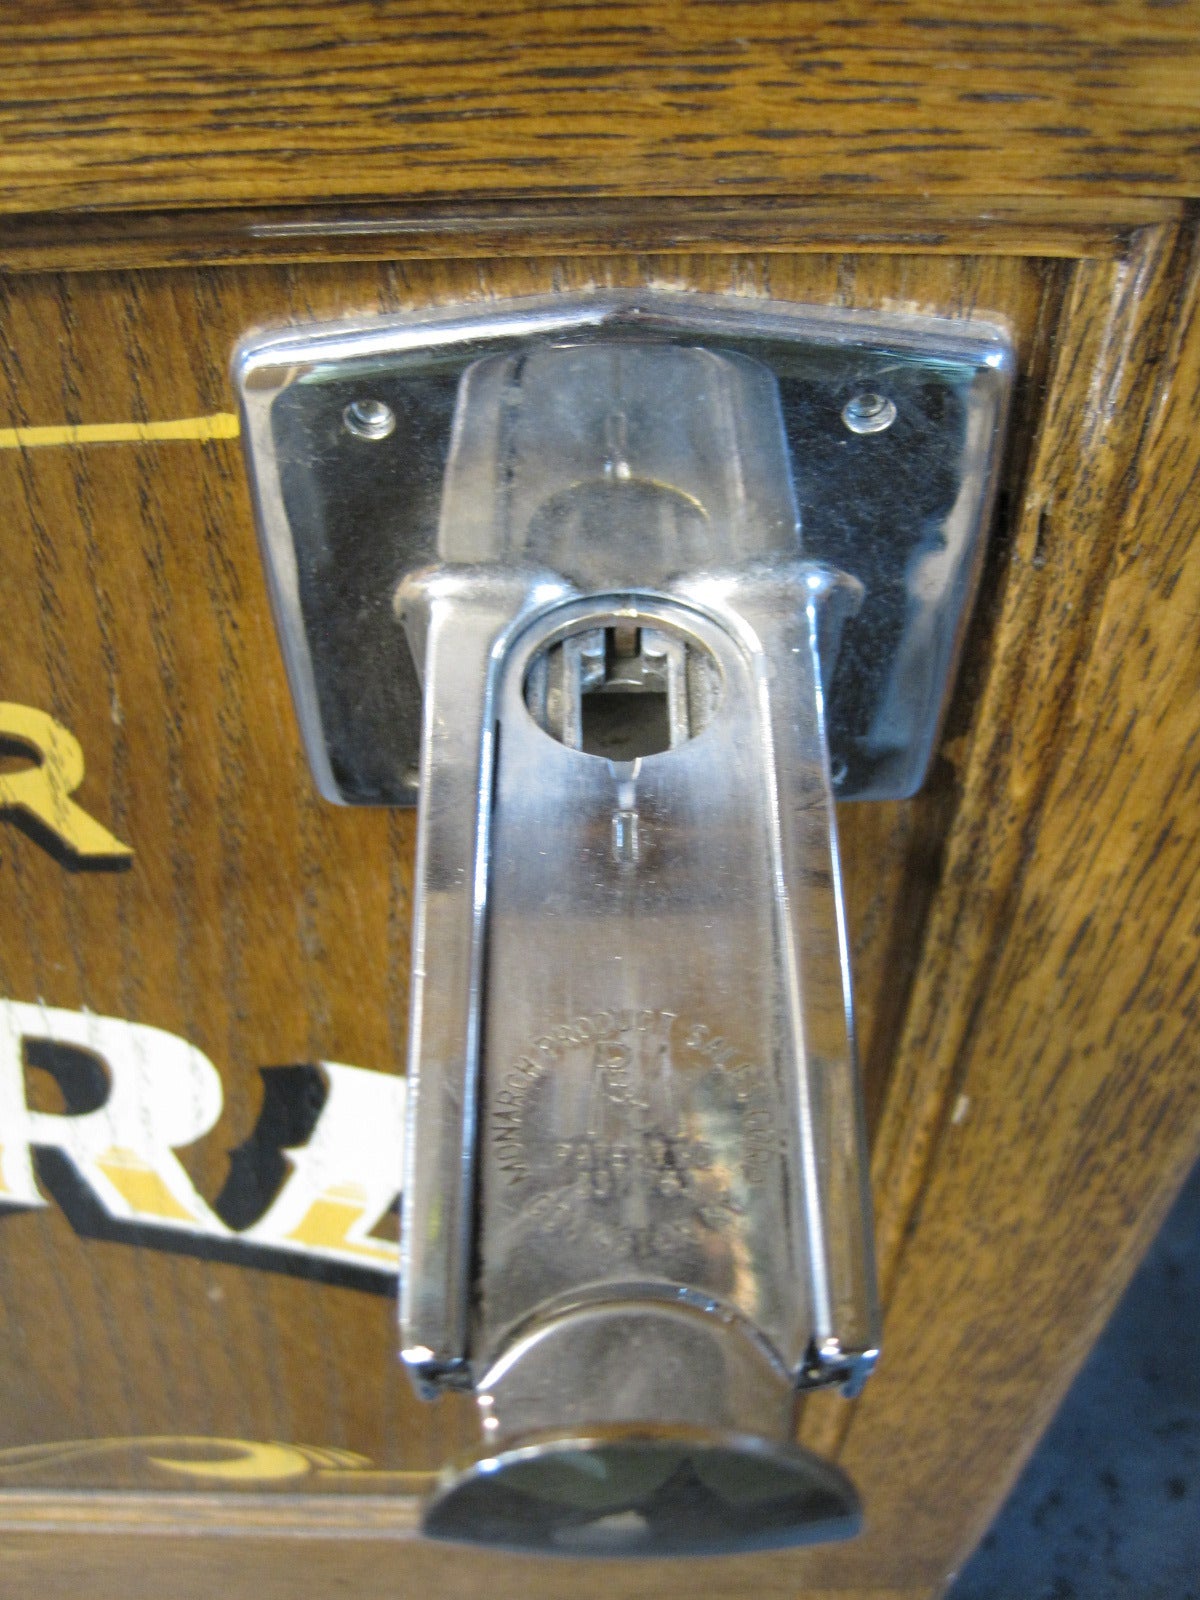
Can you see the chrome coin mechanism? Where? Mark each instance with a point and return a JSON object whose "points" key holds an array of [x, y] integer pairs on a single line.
{"points": [[624, 592]]}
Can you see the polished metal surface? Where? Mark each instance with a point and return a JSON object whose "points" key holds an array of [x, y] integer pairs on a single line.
{"points": [[684, 1494], [635, 1216], [903, 509]]}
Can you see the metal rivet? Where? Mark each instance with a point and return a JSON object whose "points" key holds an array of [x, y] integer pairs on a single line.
{"points": [[369, 419], [868, 413]]}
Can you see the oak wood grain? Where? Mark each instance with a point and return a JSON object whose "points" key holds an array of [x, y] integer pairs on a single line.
{"points": [[1054, 228], [1044, 1110], [261, 924], [1024, 931], [143, 1565], [148, 104]]}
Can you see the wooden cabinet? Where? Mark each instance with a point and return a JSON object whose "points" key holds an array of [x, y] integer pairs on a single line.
{"points": [[200, 1395]]}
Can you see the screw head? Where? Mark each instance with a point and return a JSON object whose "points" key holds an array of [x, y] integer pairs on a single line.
{"points": [[869, 413], [369, 419]]}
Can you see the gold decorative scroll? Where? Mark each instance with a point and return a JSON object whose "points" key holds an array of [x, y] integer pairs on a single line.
{"points": [[202, 1462]]}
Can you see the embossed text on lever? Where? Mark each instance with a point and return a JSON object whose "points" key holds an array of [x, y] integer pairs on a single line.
{"points": [[635, 1219]]}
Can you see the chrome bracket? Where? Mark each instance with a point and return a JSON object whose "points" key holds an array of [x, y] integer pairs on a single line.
{"points": [[625, 590]]}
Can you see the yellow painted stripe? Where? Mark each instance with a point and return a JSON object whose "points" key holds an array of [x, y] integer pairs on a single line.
{"points": [[221, 425]]}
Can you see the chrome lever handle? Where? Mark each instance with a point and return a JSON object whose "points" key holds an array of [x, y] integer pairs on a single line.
{"points": [[624, 1060], [635, 1221]]}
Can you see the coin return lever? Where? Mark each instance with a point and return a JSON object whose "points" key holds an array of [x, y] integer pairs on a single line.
{"points": [[655, 575]]}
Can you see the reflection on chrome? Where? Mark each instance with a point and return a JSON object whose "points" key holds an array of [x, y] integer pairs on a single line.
{"points": [[636, 1223]]}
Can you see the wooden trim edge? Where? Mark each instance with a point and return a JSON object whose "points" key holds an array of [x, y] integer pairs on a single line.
{"points": [[1033, 225]]}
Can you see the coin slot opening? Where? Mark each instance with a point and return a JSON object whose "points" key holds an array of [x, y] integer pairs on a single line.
{"points": [[621, 690], [625, 714]]}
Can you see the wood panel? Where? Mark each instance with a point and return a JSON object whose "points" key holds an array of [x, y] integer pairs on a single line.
{"points": [[137, 1568], [1057, 999], [1003, 742], [1055, 228], [1024, 932], [147, 104], [260, 924]]}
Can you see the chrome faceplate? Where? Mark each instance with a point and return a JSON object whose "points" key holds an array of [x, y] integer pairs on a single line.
{"points": [[892, 425]]}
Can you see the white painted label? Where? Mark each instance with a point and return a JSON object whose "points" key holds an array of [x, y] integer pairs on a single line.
{"points": [[163, 1094]]}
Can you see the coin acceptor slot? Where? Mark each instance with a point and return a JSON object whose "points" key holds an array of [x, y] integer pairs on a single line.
{"points": [[622, 691]]}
